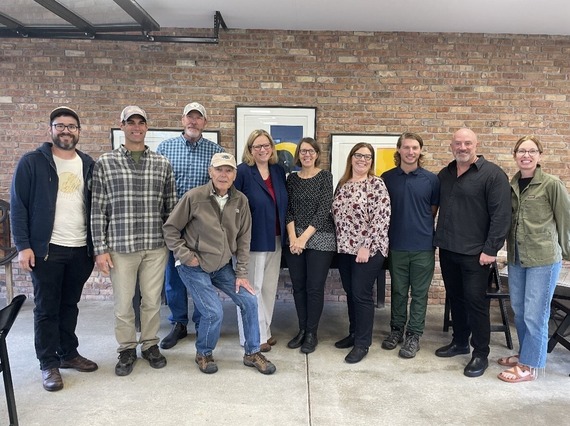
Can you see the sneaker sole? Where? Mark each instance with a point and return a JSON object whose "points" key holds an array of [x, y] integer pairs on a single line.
{"points": [[126, 371], [268, 371], [156, 364]]}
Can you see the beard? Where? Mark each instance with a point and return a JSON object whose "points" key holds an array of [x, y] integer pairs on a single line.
{"points": [[65, 145]]}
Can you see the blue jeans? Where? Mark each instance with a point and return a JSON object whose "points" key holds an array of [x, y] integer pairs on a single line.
{"points": [[177, 297], [58, 282], [202, 286], [531, 291]]}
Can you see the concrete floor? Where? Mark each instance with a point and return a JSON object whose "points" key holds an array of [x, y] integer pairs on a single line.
{"points": [[318, 389]]}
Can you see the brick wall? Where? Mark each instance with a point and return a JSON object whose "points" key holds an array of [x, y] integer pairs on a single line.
{"points": [[501, 86]]}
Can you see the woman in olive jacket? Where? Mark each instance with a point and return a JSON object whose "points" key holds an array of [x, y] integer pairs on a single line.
{"points": [[538, 240]]}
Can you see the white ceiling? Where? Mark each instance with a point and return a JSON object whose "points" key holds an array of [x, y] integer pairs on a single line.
{"points": [[481, 16]]}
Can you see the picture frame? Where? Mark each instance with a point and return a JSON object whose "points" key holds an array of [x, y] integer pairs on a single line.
{"points": [[342, 143], [286, 125], [155, 136]]}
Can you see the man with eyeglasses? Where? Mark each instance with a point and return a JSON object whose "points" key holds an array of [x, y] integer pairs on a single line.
{"points": [[133, 194], [474, 219], [189, 154], [50, 205]]}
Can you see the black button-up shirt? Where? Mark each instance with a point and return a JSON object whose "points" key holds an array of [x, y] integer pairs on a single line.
{"points": [[475, 209]]}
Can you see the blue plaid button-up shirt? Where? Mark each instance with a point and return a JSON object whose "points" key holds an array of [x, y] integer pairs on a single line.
{"points": [[190, 161]]}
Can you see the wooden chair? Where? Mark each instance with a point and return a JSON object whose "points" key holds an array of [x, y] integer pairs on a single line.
{"points": [[7, 317], [494, 291]]}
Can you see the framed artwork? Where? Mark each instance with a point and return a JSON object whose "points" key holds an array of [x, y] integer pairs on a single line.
{"points": [[286, 125], [341, 144], [156, 136]]}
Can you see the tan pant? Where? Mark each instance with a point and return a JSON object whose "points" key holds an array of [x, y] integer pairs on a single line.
{"points": [[263, 276], [148, 266]]}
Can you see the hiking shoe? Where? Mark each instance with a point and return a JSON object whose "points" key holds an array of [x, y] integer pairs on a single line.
{"points": [[127, 359], [396, 336], [206, 363], [258, 361], [154, 357], [410, 346]]}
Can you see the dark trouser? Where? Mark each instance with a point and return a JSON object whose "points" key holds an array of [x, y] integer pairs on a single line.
{"points": [[177, 296], [358, 283], [308, 272], [58, 283], [466, 284], [410, 272]]}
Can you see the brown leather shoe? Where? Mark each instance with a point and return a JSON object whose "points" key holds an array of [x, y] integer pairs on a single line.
{"points": [[52, 379], [265, 347], [80, 364], [272, 341]]}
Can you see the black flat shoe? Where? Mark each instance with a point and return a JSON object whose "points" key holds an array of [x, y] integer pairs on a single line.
{"points": [[310, 343], [452, 349], [347, 342], [356, 354], [476, 366], [297, 341]]}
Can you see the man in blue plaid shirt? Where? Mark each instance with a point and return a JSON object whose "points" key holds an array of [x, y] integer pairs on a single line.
{"points": [[190, 155], [133, 194]]}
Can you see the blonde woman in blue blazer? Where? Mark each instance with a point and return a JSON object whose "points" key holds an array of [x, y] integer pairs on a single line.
{"points": [[262, 180]]}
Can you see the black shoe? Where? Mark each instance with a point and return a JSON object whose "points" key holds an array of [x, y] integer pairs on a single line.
{"points": [[154, 357], [411, 345], [297, 341], [452, 349], [345, 343], [178, 332], [396, 336], [356, 354], [310, 343], [476, 366], [127, 359]]}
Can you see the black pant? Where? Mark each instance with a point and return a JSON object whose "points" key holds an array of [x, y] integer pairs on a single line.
{"points": [[466, 284], [58, 283], [308, 272], [358, 283]]}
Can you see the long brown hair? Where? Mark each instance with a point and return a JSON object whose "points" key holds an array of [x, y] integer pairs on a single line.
{"points": [[404, 136], [348, 170]]}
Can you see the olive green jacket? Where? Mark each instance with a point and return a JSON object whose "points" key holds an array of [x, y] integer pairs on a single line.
{"points": [[540, 223]]}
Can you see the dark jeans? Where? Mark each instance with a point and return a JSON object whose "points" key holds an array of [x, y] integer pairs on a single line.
{"points": [[466, 284], [358, 283], [177, 296], [58, 282], [308, 272]]}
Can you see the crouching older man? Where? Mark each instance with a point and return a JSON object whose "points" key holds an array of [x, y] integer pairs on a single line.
{"points": [[210, 224]]}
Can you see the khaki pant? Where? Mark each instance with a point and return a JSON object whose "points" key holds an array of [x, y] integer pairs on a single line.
{"points": [[148, 266], [263, 276]]}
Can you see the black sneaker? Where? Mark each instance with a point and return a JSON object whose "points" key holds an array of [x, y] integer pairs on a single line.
{"points": [[154, 357], [127, 359], [396, 336], [410, 346]]}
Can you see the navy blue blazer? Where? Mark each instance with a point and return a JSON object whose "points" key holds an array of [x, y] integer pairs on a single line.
{"points": [[250, 182]]}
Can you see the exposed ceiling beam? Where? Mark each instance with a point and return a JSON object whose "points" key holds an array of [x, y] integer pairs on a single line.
{"points": [[68, 15], [146, 21]]}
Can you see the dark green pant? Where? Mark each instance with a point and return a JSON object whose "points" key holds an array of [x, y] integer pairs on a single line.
{"points": [[410, 272]]}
